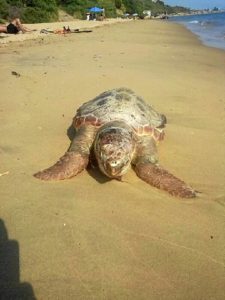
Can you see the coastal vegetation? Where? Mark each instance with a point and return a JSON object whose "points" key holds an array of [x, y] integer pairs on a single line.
{"points": [[32, 11]]}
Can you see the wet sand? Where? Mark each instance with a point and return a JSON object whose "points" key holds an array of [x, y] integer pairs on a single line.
{"points": [[89, 238]]}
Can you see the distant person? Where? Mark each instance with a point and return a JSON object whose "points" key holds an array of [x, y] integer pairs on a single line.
{"points": [[14, 27], [87, 16]]}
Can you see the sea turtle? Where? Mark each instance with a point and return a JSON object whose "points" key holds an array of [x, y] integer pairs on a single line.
{"points": [[120, 129]]}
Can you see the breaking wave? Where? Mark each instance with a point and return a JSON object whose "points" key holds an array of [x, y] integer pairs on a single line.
{"points": [[210, 28]]}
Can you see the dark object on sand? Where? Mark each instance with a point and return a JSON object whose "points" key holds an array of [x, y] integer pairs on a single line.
{"points": [[68, 30], [65, 30], [15, 74], [119, 129], [12, 29], [80, 31]]}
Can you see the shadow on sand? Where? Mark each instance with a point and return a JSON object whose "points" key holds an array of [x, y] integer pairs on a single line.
{"points": [[10, 286]]}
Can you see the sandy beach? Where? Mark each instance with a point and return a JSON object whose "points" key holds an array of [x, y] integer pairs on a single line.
{"points": [[40, 31], [88, 238]]}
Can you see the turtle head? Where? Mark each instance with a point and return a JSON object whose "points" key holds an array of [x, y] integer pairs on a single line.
{"points": [[114, 148]]}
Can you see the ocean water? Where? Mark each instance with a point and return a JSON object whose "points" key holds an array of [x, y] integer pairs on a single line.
{"points": [[210, 28]]}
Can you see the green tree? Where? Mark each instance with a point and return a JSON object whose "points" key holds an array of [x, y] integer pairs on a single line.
{"points": [[47, 10], [17, 3], [39, 11], [109, 6], [4, 9], [118, 4]]}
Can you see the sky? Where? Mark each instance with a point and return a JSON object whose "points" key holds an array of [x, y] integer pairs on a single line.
{"points": [[197, 4]]}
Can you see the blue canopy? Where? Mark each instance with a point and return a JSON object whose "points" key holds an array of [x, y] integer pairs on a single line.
{"points": [[96, 9]]}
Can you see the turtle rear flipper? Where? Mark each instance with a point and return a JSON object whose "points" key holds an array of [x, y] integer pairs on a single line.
{"points": [[162, 179], [69, 165]]}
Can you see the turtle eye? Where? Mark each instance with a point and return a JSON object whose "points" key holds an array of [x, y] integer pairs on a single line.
{"points": [[102, 155]]}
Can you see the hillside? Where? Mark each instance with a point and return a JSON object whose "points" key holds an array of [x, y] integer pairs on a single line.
{"points": [[32, 11]]}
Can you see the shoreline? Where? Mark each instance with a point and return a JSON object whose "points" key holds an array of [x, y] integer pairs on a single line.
{"points": [[201, 40], [206, 27], [88, 238]]}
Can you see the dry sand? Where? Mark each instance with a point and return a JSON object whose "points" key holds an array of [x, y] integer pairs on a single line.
{"points": [[87, 238], [37, 33]]}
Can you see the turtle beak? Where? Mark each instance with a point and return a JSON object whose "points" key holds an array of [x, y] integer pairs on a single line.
{"points": [[112, 171]]}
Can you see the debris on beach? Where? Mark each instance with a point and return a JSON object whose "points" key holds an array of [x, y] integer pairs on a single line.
{"points": [[15, 74], [5, 173]]}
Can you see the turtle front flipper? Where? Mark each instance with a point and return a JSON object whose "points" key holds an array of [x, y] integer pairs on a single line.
{"points": [[147, 168], [74, 160], [160, 178], [69, 165]]}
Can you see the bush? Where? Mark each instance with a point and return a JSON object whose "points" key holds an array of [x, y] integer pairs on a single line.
{"points": [[109, 6], [37, 15], [34, 15], [39, 11], [118, 4], [4, 9], [17, 3], [70, 9]]}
